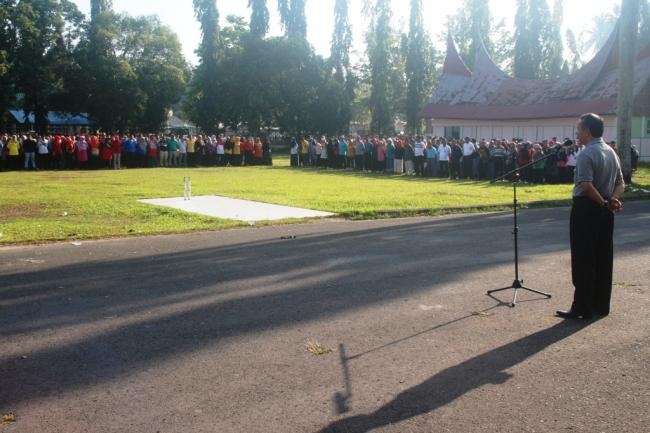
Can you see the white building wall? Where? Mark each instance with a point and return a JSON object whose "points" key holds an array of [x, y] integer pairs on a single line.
{"points": [[533, 130]]}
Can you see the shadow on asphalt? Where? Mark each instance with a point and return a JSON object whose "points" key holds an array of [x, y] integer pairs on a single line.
{"points": [[342, 399], [453, 382], [253, 287]]}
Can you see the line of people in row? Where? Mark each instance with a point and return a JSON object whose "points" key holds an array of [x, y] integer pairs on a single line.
{"points": [[32, 151], [440, 157]]}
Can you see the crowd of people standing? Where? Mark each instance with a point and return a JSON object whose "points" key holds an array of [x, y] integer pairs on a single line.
{"points": [[94, 151], [442, 158], [546, 161]]}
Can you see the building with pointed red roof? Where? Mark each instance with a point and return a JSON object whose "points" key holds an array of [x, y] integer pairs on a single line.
{"points": [[488, 103]]}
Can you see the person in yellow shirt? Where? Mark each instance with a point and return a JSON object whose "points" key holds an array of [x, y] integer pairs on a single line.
{"points": [[191, 150], [304, 152], [349, 156], [13, 153], [236, 151]]}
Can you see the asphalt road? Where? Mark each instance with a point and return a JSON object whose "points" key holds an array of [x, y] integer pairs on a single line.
{"points": [[207, 332]]}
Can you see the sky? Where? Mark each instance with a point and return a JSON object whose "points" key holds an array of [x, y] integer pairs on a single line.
{"points": [[179, 15]]}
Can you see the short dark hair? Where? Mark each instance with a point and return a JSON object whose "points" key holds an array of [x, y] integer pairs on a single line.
{"points": [[594, 123]]}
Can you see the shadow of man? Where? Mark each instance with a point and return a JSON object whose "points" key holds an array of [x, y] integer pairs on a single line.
{"points": [[453, 382]]}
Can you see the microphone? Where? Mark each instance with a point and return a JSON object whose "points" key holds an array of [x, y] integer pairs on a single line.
{"points": [[567, 143]]}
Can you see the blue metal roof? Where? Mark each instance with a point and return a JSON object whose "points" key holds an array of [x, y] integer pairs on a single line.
{"points": [[54, 118]]}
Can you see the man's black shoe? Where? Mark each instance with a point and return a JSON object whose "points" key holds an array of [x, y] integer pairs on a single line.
{"points": [[573, 314]]}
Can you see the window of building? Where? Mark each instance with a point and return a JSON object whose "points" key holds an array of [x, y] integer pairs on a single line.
{"points": [[452, 132], [647, 127]]}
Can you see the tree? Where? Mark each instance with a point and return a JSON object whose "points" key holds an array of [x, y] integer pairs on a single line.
{"points": [[41, 51], [105, 84], [341, 41], [551, 40], [205, 84], [7, 47], [293, 18], [259, 18], [98, 7], [627, 32], [594, 38], [538, 51], [576, 60], [644, 24], [297, 94], [419, 67], [340, 57], [379, 56], [154, 53], [471, 25]]}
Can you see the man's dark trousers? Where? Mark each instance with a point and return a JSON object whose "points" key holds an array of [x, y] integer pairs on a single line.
{"points": [[592, 255]]}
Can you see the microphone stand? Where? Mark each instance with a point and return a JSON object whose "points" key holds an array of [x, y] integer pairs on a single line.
{"points": [[517, 283]]}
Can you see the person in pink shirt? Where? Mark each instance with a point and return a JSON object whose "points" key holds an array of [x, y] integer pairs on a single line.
{"points": [[381, 155], [81, 147]]}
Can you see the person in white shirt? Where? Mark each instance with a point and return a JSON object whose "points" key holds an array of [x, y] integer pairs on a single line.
{"points": [[221, 152], [419, 149], [443, 158], [469, 149], [43, 152], [182, 152]]}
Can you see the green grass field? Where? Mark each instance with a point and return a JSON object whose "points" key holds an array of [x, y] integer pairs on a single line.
{"points": [[72, 205]]}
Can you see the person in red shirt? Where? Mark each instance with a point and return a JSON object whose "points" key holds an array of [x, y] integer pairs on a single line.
{"points": [[93, 151], [258, 151], [58, 157], [152, 151], [524, 157], [106, 152], [69, 151], [116, 146], [247, 151]]}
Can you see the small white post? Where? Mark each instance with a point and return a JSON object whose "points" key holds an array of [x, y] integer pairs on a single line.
{"points": [[189, 188]]}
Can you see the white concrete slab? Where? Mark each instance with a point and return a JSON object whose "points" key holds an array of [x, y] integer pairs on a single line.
{"points": [[231, 208]]}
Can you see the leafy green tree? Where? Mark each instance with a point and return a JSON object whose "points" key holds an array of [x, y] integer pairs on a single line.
{"points": [[205, 90], [259, 18], [7, 47], [293, 18], [341, 41], [644, 24], [420, 68], [536, 49], [298, 94], [98, 7], [340, 57], [233, 37], [41, 50], [551, 40], [592, 39], [106, 84], [472, 24], [154, 53], [575, 61], [380, 61]]}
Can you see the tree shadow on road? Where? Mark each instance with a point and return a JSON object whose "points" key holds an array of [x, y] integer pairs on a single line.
{"points": [[186, 298]]}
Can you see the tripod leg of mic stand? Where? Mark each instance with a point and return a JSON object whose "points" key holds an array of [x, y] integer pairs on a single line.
{"points": [[548, 295], [489, 292], [515, 285]]}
